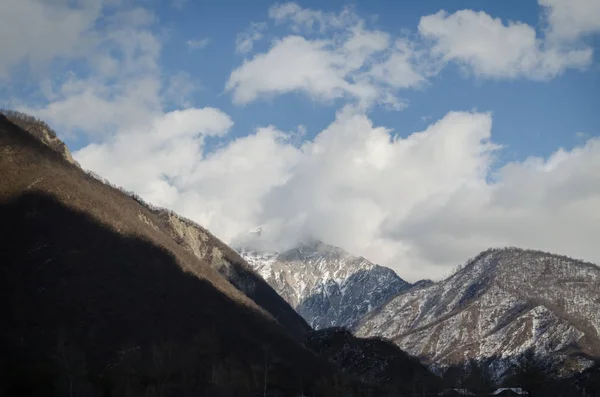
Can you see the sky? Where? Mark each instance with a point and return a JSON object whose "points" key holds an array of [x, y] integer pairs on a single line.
{"points": [[415, 134]]}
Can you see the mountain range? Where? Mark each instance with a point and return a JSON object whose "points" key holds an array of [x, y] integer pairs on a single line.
{"points": [[501, 304]]}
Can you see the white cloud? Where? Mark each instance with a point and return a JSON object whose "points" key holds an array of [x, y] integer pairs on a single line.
{"points": [[35, 32], [244, 42], [123, 87], [334, 55], [155, 153], [355, 178], [548, 204], [490, 48], [197, 44], [568, 20], [179, 89], [309, 21], [420, 204], [398, 69], [347, 61], [246, 169], [292, 64], [92, 107]]}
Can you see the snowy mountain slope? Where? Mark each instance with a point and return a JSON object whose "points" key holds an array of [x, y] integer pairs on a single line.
{"points": [[502, 303], [325, 284]]}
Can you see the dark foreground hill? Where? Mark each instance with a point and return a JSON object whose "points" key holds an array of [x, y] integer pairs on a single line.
{"points": [[98, 298], [375, 361]]}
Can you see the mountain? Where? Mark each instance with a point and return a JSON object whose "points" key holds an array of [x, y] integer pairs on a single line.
{"points": [[326, 285], [102, 294], [188, 235], [374, 360], [501, 304]]}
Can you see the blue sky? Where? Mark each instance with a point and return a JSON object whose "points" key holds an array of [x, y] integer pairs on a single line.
{"points": [[520, 107], [413, 133]]}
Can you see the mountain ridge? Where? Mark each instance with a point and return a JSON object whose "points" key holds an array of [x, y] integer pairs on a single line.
{"points": [[325, 284], [501, 303], [186, 233]]}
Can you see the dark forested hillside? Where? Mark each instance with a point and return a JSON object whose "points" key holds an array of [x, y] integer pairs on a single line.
{"points": [[375, 361], [79, 299], [97, 298]]}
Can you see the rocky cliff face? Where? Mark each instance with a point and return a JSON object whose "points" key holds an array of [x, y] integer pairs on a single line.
{"points": [[325, 284], [502, 303], [41, 131], [197, 240]]}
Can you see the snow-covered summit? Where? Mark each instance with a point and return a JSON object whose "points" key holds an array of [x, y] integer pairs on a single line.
{"points": [[327, 285]]}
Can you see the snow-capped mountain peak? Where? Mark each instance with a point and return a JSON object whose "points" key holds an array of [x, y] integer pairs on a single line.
{"points": [[327, 285]]}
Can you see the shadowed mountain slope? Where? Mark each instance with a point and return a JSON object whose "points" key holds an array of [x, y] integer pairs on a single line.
{"points": [[375, 361], [29, 165], [98, 298]]}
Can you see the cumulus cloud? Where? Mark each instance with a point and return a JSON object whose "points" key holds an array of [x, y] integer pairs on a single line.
{"points": [[156, 153], [329, 56], [120, 84], [549, 204], [354, 178], [568, 20], [420, 203], [335, 55], [124, 84], [293, 64], [425, 203], [34, 32], [490, 48]]}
